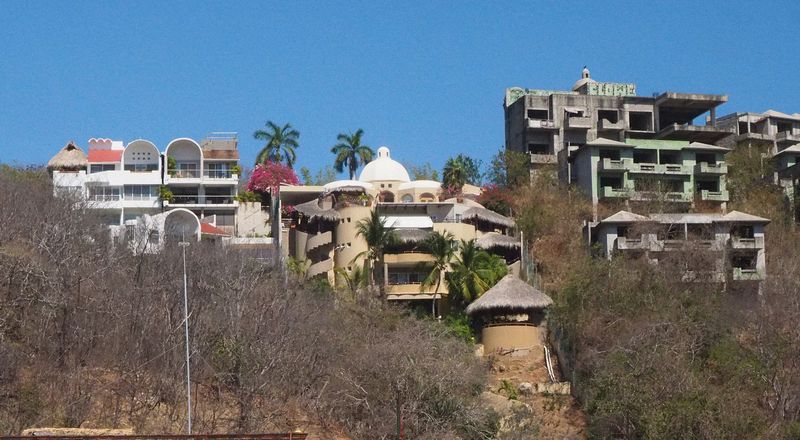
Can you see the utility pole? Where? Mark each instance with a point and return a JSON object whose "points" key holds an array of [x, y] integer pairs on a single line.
{"points": [[183, 244]]}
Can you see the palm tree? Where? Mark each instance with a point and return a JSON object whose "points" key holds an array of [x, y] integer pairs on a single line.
{"points": [[355, 279], [442, 248], [473, 272], [378, 237], [281, 143], [350, 153], [454, 174]]}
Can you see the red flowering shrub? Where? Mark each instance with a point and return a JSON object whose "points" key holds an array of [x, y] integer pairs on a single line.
{"points": [[496, 198], [266, 177]]}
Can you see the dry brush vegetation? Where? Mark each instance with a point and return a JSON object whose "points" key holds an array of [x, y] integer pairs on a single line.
{"points": [[92, 335]]}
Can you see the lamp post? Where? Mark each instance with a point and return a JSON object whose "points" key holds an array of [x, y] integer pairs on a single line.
{"points": [[183, 244]]}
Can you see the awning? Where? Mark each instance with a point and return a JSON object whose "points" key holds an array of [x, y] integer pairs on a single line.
{"points": [[410, 221]]}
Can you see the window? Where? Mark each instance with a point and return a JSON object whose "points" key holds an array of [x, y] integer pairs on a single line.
{"points": [[641, 121], [140, 192], [153, 237], [743, 231], [220, 170], [708, 185], [535, 113], [611, 116], [396, 278], [644, 156], [100, 167], [611, 181], [784, 126], [408, 198], [709, 158], [141, 167], [539, 149], [747, 262], [610, 154], [103, 193]]}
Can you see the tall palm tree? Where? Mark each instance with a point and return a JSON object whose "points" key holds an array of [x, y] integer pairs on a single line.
{"points": [[354, 279], [350, 153], [281, 143], [454, 174], [473, 272], [442, 248], [378, 237]]}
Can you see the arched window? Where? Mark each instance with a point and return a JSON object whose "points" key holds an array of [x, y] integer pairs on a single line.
{"points": [[408, 198], [386, 197], [426, 197]]}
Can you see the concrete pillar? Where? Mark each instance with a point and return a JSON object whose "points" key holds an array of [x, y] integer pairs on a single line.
{"points": [[713, 117]]}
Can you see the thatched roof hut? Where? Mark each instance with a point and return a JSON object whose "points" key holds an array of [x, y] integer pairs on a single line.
{"points": [[70, 158], [485, 215], [311, 209], [510, 295], [493, 239]]}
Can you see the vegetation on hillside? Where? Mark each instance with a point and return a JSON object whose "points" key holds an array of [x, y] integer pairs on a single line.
{"points": [[92, 334]]}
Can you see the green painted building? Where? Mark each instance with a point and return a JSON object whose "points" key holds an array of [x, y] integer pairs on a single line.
{"points": [[681, 173]]}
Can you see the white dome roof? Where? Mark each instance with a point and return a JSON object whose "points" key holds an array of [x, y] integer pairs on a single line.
{"points": [[384, 168]]}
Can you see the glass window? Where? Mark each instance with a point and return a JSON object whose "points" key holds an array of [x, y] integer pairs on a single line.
{"points": [[140, 192], [97, 168], [103, 193]]}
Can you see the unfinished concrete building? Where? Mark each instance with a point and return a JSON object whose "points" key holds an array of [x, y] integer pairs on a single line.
{"points": [[548, 124]]}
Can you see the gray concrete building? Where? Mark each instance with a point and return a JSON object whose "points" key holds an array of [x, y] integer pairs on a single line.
{"points": [[548, 124]]}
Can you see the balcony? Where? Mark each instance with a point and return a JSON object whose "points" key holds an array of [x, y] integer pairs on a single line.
{"points": [[611, 165], [787, 138], [407, 258], [713, 196], [605, 124], [579, 122], [201, 200], [652, 196], [318, 240], [625, 244], [675, 169], [758, 137], [542, 124], [220, 175], [543, 158], [742, 274], [708, 134], [711, 168], [319, 268], [608, 192], [646, 168], [747, 243]]}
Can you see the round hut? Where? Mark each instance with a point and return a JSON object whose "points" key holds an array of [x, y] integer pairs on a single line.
{"points": [[71, 159], [511, 315]]}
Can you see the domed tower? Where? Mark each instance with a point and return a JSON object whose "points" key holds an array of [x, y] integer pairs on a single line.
{"points": [[385, 174], [585, 79]]}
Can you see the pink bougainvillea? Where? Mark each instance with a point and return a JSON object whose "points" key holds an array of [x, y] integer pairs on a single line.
{"points": [[266, 177]]}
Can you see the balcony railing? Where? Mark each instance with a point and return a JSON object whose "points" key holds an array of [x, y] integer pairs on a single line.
{"points": [[614, 193], [605, 124], [104, 198], [201, 200], [548, 124], [747, 243], [184, 174], [607, 164], [787, 137], [710, 168], [582, 122], [624, 243], [671, 168], [714, 196], [743, 274], [543, 158], [218, 174], [646, 168]]}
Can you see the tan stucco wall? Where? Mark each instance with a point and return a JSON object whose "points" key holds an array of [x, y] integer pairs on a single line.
{"points": [[462, 231], [510, 336], [346, 233], [251, 220]]}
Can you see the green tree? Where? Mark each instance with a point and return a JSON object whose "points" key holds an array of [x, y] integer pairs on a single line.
{"points": [[473, 272], [442, 248], [355, 278], [323, 176], [423, 172], [508, 169], [281, 143], [351, 153], [378, 237], [460, 170]]}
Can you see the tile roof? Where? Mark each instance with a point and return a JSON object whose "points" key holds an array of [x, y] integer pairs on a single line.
{"points": [[105, 156]]}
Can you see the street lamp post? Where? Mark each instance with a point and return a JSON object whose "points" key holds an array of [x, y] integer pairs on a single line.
{"points": [[183, 245]]}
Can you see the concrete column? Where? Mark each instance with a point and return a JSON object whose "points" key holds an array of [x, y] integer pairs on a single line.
{"points": [[713, 117], [385, 274]]}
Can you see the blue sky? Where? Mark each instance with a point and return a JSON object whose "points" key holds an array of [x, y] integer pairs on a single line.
{"points": [[424, 78]]}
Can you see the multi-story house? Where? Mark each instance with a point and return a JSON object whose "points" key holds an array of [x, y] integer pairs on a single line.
{"points": [[322, 232], [547, 124], [707, 247], [127, 182], [680, 173]]}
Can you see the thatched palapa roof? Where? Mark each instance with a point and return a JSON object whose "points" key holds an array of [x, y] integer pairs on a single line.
{"points": [[509, 295], [311, 209], [486, 215], [493, 239], [71, 157]]}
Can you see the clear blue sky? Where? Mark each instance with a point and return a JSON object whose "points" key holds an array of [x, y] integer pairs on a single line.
{"points": [[424, 78]]}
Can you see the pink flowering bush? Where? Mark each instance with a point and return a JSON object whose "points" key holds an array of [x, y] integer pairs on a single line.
{"points": [[266, 177]]}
